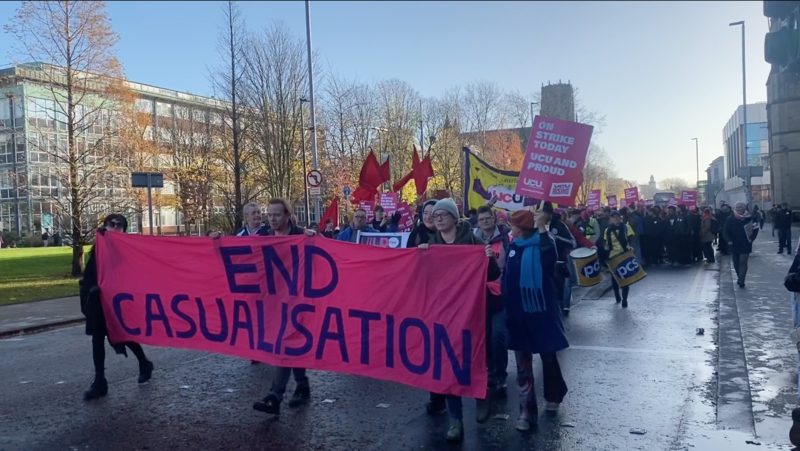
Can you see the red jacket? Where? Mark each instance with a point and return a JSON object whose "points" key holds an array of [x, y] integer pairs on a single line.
{"points": [[579, 237]]}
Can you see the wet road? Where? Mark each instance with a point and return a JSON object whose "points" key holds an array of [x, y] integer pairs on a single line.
{"points": [[639, 378]]}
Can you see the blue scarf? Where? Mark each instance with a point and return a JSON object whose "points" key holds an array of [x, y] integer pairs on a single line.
{"points": [[530, 275]]}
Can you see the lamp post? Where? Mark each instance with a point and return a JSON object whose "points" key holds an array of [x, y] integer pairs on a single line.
{"points": [[748, 193], [532, 104], [305, 171], [697, 159]]}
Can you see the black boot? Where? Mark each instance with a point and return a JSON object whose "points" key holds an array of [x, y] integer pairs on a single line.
{"points": [[145, 371], [302, 394], [794, 432], [98, 389], [270, 404]]}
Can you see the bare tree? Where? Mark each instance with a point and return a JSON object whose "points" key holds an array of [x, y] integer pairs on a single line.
{"points": [[76, 37], [228, 83], [674, 184], [399, 115], [517, 108], [482, 111], [275, 80]]}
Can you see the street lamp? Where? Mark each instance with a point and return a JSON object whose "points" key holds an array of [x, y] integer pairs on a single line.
{"points": [[697, 159], [305, 171], [532, 104], [744, 111]]}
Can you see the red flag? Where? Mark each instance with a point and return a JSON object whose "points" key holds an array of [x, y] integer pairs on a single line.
{"points": [[398, 185], [331, 213], [371, 176], [422, 173]]}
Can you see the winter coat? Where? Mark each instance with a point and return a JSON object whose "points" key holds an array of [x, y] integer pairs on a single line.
{"points": [[262, 231], [735, 233], [564, 240], [420, 235], [293, 230], [350, 235], [707, 229], [783, 219], [464, 235], [533, 332], [90, 303]]}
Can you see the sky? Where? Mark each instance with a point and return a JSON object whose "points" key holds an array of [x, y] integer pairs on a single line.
{"points": [[661, 73]]}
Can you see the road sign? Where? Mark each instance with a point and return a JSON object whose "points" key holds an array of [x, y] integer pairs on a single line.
{"points": [[346, 191], [314, 178], [315, 191]]}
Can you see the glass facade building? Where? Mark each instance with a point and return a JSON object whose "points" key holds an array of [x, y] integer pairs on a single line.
{"points": [[752, 153], [33, 139]]}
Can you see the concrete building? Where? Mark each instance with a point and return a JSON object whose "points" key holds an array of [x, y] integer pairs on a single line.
{"points": [[739, 155], [715, 176], [782, 51], [558, 101], [30, 138]]}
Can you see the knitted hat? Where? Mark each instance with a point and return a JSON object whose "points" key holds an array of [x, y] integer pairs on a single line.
{"points": [[447, 205], [522, 219]]}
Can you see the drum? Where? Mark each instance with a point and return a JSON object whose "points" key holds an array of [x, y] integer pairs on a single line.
{"points": [[586, 265], [626, 269]]}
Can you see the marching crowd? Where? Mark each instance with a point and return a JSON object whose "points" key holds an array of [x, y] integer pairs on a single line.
{"points": [[529, 282]]}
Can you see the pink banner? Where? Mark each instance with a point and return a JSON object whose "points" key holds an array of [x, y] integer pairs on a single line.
{"points": [[369, 207], [631, 195], [612, 200], [689, 198], [593, 200], [389, 202], [554, 160], [406, 217], [304, 302]]}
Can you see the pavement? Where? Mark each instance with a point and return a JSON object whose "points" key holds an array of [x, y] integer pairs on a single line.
{"points": [[30, 317]]}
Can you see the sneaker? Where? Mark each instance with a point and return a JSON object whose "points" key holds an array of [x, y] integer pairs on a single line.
{"points": [[553, 406], [523, 424], [794, 432], [436, 407], [271, 404], [98, 389], [624, 303], [483, 409], [302, 394], [619, 300], [741, 284], [455, 433], [566, 312], [145, 371]]}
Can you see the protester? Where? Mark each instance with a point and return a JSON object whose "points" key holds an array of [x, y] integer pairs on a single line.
{"points": [[253, 223], [96, 323], [708, 232], [359, 224], [45, 236], [655, 232], [636, 220], [723, 214], [279, 214], [740, 231], [565, 243], [329, 229], [694, 222], [472, 217], [381, 221], [425, 229], [534, 323], [450, 230], [616, 241], [498, 238], [783, 222], [758, 214]]}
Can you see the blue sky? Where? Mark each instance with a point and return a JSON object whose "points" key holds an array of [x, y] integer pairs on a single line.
{"points": [[661, 72]]}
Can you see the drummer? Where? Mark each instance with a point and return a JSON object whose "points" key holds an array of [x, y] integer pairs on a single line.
{"points": [[616, 239]]}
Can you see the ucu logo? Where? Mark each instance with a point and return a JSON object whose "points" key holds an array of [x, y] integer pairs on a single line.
{"points": [[591, 270], [627, 268]]}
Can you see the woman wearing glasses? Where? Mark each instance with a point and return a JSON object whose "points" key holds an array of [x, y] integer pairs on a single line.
{"points": [[96, 323], [450, 229]]}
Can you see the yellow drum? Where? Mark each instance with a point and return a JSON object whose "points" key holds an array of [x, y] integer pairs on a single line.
{"points": [[586, 265], [626, 269]]}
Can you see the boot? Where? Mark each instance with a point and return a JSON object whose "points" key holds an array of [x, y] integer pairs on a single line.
{"points": [[145, 371], [436, 406], [625, 303], [302, 394], [483, 409], [98, 389], [794, 432], [455, 433], [270, 404]]}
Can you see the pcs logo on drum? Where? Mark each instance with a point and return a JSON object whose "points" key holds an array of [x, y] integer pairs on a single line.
{"points": [[627, 268], [591, 270]]}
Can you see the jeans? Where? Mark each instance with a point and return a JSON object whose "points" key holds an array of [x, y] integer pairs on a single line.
{"points": [[785, 240], [281, 379], [740, 266], [554, 386], [498, 357]]}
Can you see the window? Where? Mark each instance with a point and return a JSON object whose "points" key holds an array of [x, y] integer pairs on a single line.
{"points": [[199, 116], [181, 112], [163, 109], [144, 106], [41, 113]]}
